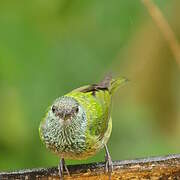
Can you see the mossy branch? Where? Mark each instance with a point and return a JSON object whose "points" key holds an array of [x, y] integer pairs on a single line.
{"points": [[167, 167]]}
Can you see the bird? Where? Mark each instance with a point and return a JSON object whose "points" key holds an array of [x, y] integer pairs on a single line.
{"points": [[78, 124]]}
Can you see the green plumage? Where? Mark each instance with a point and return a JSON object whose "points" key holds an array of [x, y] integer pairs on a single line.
{"points": [[79, 123]]}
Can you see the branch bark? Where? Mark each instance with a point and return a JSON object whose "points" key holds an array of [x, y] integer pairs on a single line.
{"points": [[166, 167]]}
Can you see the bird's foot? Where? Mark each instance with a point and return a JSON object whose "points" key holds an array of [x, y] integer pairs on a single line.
{"points": [[62, 167], [108, 162]]}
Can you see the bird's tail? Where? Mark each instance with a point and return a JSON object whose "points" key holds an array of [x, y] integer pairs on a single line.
{"points": [[111, 83], [116, 83]]}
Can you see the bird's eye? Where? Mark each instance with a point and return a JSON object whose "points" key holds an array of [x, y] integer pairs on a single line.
{"points": [[76, 109], [53, 109]]}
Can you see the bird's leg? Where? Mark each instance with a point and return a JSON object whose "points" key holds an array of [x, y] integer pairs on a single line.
{"points": [[62, 166], [108, 162], [65, 167]]}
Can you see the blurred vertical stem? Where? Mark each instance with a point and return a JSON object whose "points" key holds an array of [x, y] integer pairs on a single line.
{"points": [[153, 75], [164, 27]]}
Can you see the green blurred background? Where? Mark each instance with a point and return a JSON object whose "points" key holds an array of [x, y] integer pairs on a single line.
{"points": [[48, 48]]}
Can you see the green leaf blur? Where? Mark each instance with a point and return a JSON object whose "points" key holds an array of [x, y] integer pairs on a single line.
{"points": [[48, 48]]}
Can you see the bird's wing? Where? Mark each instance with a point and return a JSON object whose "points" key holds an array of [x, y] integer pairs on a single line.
{"points": [[96, 99], [96, 104]]}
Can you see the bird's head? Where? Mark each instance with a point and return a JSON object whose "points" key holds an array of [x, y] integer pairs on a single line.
{"points": [[66, 110]]}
